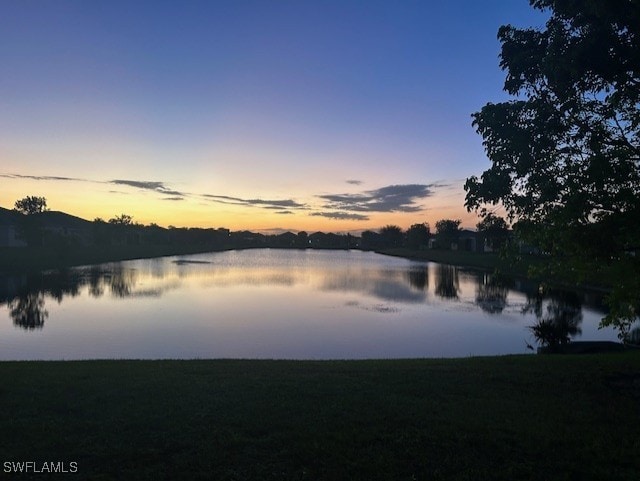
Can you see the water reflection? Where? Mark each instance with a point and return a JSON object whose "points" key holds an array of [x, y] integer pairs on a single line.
{"points": [[339, 290], [384, 284], [558, 316], [418, 277], [27, 311], [121, 281], [447, 281], [26, 295], [491, 294], [410, 284], [95, 281]]}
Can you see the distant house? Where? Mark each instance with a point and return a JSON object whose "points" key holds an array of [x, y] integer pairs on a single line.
{"points": [[467, 241], [322, 240], [51, 223], [66, 226], [9, 232]]}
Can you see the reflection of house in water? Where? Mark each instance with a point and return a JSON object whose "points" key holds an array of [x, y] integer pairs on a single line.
{"points": [[418, 277], [447, 282], [491, 295]]}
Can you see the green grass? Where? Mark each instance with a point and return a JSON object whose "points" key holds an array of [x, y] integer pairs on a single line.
{"points": [[516, 417]]}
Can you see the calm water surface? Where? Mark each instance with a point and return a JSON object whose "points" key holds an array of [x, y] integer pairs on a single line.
{"points": [[275, 304]]}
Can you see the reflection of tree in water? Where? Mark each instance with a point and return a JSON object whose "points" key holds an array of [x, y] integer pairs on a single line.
{"points": [[491, 295], [61, 283], [418, 278], [27, 303], [96, 282], [447, 283], [560, 320], [27, 311], [121, 282]]}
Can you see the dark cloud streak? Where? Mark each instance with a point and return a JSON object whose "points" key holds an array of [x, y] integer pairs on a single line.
{"points": [[264, 203], [154, 186], [340, 215], [44, 177], [392, 198]]}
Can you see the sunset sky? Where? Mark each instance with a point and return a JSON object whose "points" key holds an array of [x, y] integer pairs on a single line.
{"points": [[298, 115]]}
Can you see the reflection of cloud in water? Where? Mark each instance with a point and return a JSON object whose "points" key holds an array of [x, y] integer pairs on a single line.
{"points": [[182, 262], [388, 285], [256, 278], [154, 291], [381, 308], [394, 291]]}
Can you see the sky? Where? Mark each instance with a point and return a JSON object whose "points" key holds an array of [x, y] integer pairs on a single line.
{"points": [[338, 116]]}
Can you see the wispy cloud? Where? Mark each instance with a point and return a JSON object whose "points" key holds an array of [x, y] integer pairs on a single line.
{"points": [[340, 215], [43, 177], [343, 206], [392, 198], [264, 203], [155, 186]]}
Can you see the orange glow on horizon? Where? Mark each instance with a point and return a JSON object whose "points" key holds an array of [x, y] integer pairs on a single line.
{"points": [[90, 200]]}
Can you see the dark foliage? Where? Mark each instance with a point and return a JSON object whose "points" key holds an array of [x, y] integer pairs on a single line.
{"points": [[565, 152]]}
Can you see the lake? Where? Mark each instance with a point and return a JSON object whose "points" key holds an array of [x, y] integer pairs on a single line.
{"points": [[277, 304]]}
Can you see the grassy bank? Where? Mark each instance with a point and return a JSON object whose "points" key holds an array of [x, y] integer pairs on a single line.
{"points": [[485, 261], [476, 260], [34, 259], [520, 417]]}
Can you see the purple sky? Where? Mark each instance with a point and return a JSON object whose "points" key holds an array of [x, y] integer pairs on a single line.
{"points": [[332, 115]]}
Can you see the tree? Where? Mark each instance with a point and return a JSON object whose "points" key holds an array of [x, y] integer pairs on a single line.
{"points": [[31, 205], [29, 224], [302, 239], [565, 151], [122, 219], [392, 236], [495, 230], [418, 235], [370, 240], [447, 232]]}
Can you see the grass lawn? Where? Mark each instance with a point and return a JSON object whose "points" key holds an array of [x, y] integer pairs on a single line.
{"points": [[514, 417]]}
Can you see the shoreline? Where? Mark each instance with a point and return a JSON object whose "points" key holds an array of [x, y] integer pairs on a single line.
{"points": [[21, 259]]}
